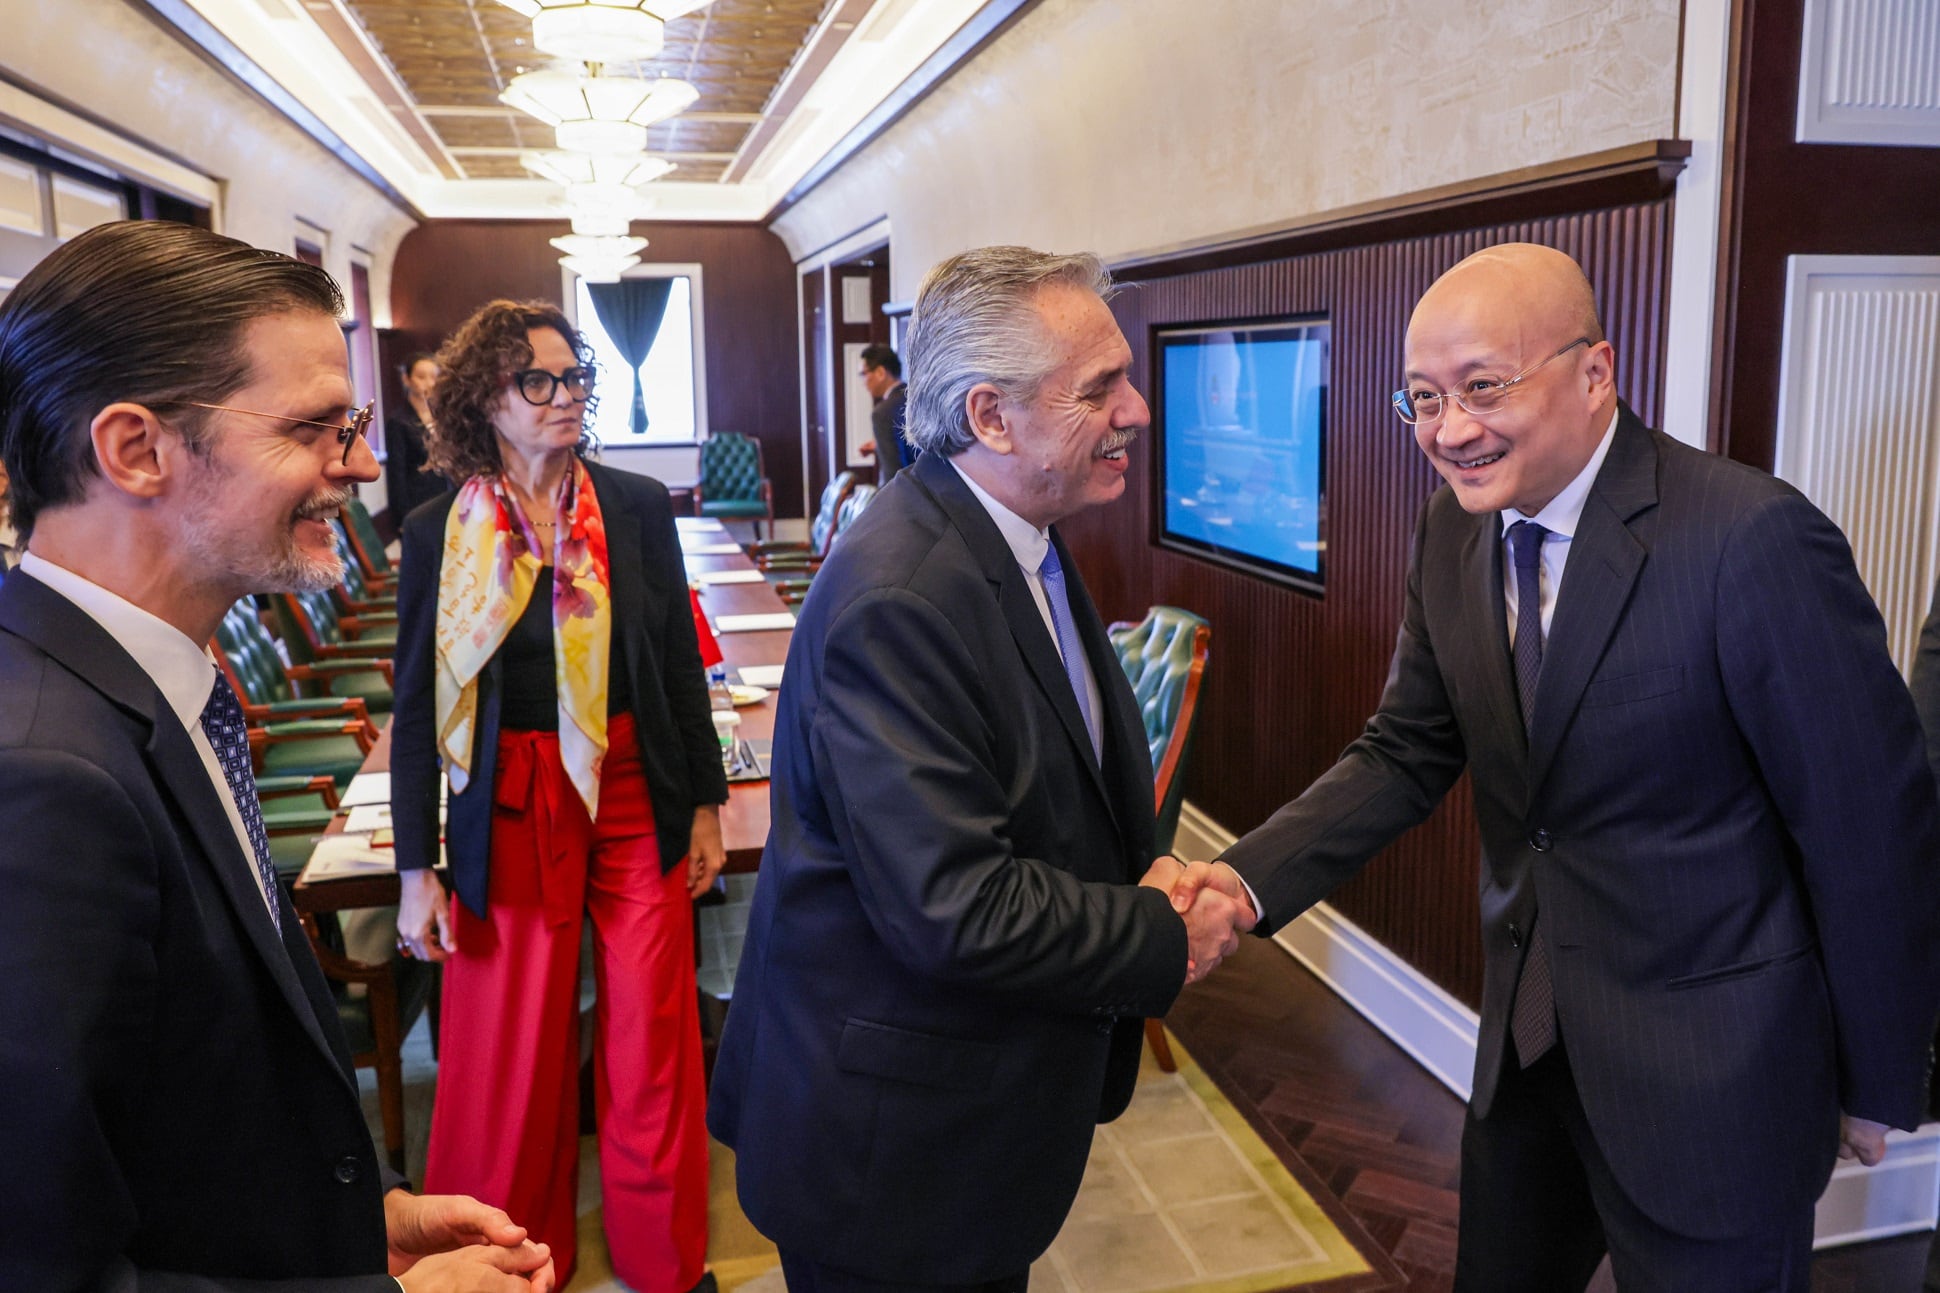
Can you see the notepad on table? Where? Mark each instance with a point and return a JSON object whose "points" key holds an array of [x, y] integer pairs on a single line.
{"points": [[754, 623], [761, 675], [710, 549], [728, 577]]}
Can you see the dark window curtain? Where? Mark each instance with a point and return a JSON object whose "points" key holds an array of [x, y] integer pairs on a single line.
{"points": [[630, 311]]}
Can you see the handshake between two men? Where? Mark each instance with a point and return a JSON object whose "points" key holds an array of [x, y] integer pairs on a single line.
{"points": [[1214, 904]]}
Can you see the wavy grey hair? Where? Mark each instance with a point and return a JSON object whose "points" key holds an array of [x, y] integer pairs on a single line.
{"points": [[975, 321]]}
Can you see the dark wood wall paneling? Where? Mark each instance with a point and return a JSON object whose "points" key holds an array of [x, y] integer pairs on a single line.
{"points": [[1786, 198], [1292, 678], [445, 269]]}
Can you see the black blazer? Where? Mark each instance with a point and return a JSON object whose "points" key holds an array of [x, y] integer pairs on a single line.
{"points": [[945, 964], [1721, 812], [886, 420], [407, 485], [175, 1094], [653, 640]]}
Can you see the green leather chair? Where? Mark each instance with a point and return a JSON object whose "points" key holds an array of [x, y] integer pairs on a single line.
{"points": [[732, 485], [265, 680], [794, 554], [354, 595], [794, 591], [291, 736], [367, 546], [1164, 657], [314, 629]]}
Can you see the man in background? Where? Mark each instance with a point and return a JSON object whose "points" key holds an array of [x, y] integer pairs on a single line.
{"points": [[882, 377], [951, 950], [1708, 832], [176, 1098]]}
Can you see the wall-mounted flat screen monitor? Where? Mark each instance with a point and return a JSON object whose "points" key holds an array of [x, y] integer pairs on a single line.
{"points": [[1242, 439]]}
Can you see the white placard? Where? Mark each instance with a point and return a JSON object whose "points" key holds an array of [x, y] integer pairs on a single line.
{"points": [[754, 624], [728, 577]]}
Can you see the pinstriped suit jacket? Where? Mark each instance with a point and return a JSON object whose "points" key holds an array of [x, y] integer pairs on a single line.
{"points": [[1721, 810]]}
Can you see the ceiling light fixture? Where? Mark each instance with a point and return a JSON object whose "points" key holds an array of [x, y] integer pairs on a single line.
{"points": [[628, 169], [591, 113], [601, 31]]}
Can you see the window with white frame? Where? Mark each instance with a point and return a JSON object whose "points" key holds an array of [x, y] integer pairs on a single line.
{"points": [[672, 376]]}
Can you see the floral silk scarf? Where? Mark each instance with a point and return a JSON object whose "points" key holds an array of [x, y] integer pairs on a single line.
{"points": [[491, 562]]}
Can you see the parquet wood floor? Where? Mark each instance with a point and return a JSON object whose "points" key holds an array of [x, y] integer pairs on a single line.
{"points": [[1375, 1139]]}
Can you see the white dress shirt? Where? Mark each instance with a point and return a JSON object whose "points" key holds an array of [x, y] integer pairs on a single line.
{"points": [[1560, 516], [183, 671], [1028, 544]]}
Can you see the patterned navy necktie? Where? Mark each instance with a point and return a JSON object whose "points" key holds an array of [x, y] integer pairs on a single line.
{"points": [[1532, 1021], [228, 733], [1051, 571]]}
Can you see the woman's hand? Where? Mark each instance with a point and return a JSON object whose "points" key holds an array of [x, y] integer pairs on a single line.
{"points": [[706, 855], [424, 915]]}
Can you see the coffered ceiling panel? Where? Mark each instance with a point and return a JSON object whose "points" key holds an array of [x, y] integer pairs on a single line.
{"points": [[454, 56]]}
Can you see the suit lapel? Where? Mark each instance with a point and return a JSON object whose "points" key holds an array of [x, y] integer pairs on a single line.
{"points": [[1014, 598], [69, 635], [625, 565], [1604, 562]]}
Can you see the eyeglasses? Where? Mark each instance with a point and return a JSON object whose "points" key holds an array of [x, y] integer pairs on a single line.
{"points": [[1481, 394], [347, 435], [537, 385]]}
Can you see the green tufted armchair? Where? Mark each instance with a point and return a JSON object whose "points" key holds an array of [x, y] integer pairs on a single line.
{"points": [[733, 485], [1164, 656], [793, 554], [291, 736], [366, 546], [314, 629]]}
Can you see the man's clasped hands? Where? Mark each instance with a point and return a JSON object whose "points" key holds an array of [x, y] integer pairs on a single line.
{"points": [[1214, 904]]}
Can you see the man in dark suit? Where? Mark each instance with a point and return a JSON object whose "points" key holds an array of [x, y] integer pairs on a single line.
{"points": [[1707, 896], [882, 377], [176, 1098], [948, 960]]}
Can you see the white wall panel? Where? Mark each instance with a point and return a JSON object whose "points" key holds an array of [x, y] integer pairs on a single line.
{"points": [[1869, 72], [1859, 418]]}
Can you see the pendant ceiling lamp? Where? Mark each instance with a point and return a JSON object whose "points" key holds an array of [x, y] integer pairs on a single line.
{"points": [[592, 113], [629, 170], [601, 31], [601, 260]]}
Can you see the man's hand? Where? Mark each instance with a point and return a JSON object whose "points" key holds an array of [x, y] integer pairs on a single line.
{"points": [[482, 1268], [1862, 1139], [1213, 905], [445, 1240]]}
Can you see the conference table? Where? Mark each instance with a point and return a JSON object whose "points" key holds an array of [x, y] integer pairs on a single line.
{"points": [[708, 550]]}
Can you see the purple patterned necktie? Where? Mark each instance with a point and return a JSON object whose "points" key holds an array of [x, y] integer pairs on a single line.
{"points": [[228, 733], [1532, 1022]]}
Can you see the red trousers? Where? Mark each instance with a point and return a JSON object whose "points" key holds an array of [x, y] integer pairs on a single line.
{"points": [[505, 1126]]}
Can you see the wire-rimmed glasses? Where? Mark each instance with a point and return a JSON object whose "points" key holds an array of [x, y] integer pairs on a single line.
{"points": [[348, 433], [1481, 394]]}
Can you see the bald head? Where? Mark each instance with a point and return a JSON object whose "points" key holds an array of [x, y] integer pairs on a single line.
{"points": [[1543, 286]]}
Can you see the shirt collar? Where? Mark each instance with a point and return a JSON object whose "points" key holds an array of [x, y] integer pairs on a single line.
{"points": [[1027, 543], [1562, 514], [182, 671]]}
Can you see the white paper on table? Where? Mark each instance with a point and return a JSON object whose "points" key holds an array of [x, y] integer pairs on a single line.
{"points": [[699, 525], [761, 675], [754, 624], [348, 854], [368, 817], [375, 788], [710, 549], [728, 577]]}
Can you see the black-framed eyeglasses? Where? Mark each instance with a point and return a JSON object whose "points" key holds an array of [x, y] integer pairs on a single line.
{"points": [[537, 385], [1479, 394], [348, 434]]}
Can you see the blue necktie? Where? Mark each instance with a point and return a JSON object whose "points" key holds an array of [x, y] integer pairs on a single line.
{"points": [[1532, 1022], [228, 733], [1051, 571]]}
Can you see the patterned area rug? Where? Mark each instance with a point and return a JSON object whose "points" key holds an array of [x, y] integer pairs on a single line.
{"points": [[1180, 1197]]}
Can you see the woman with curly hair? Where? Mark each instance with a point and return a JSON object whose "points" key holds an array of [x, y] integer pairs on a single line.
{"points": [[547, 663]]}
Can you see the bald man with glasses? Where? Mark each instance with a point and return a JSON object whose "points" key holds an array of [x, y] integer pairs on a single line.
{"points": [[1708, 832]]}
